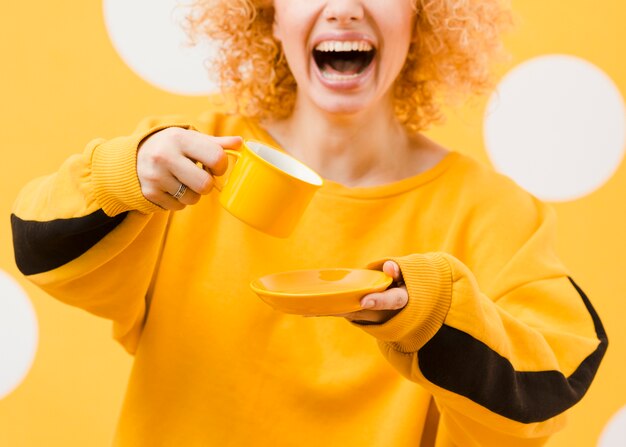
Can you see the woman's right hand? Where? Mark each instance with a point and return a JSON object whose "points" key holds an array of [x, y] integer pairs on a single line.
{"points": [[169, 157]]}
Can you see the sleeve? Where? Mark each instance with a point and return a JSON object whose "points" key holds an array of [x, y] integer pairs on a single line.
{"points": [[87, 236], [505, 347]]}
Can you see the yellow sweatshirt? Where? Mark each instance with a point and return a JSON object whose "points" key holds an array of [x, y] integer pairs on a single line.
{"points": [[496, 342]]}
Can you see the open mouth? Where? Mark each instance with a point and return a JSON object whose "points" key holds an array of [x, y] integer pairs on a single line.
{"points": [[343, 60]]}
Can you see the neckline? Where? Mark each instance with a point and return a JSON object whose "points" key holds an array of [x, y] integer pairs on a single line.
{"points": [[393, 188], [333, 188]]}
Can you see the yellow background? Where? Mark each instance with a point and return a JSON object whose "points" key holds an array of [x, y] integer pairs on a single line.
{"points": [[62, 84]]}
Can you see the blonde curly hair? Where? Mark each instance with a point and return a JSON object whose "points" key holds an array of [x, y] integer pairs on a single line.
{"points": [[454, 45]]}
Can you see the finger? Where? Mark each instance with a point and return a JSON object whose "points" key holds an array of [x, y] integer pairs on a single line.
{"points": [[370, 316], [229, 142], [171, 185], [165, 201], [391, 299], [162, 192], [209, 150], [193, 176], [392, 269], [189, 196]]}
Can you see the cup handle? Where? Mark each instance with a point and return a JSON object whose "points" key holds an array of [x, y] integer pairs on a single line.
{"points": [[219, 186]]}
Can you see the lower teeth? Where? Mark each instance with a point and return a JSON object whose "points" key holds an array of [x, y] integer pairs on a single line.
{"points": [[339, 77]]}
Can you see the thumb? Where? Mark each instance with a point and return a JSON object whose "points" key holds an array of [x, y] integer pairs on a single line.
{"points": [[392, 269]]}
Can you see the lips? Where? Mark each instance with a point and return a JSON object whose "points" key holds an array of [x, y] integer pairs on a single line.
{"points": [[343, 59]]}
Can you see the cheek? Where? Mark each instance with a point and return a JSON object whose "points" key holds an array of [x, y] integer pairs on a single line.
{"points": [[290, 28], [402, 27], [291, 17], [293, 45], [398, 33]]}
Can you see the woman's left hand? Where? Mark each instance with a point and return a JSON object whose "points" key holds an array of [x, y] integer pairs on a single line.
{"points": [[379, 307]]}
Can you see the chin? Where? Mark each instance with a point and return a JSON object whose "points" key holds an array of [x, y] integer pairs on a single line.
{"points": [[343, 105]]}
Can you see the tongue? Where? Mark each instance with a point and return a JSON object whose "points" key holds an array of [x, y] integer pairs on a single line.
{"points": [[342, 67]]}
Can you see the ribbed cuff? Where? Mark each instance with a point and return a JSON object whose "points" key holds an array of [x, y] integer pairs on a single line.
{"points": [[114, 173], [428, 279]]}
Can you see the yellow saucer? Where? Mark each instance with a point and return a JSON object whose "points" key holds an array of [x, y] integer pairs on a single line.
{"points": [[319, 292]]}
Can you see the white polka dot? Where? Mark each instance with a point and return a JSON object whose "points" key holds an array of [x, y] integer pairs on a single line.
{"points": [[18, 334], [556, 125], [614, 434], [148, 36]]}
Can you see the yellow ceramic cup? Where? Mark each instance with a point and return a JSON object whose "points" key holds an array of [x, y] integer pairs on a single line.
{"points": [[267, 189]]}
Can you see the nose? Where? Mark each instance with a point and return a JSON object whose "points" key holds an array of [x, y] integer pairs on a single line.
{"points": [[343, 11]]}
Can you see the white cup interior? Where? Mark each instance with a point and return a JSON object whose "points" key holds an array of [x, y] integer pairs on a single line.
{"points": [[285, 163]]}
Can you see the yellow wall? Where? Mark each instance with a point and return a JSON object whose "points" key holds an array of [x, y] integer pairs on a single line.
{"points": [[62, 83]]}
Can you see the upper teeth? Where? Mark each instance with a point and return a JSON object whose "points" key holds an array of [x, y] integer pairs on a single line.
{"points": [[336, 45]]}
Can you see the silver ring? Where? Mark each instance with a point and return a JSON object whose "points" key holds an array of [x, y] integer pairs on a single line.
{"points": [[182, 189]]}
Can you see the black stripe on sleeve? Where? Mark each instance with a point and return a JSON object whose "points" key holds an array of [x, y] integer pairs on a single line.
{"points": [[459, 363], [43, 246]]}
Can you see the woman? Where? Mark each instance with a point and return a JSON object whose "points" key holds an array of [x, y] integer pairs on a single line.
{"points": [[482, 340]]}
